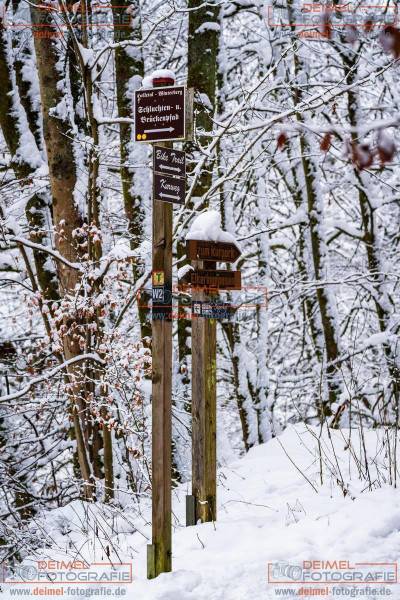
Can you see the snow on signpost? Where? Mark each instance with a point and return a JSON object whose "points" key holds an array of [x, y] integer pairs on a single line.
{"points": [[207, 242]]}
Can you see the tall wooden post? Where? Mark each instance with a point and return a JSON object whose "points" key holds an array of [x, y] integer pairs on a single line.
{"points": [[202, 504], [159, 552], [160, 115]]}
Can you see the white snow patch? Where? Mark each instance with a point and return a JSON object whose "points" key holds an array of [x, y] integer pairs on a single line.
{"points": [[208, 26], [87, 54], [279, 503], [207, 226], [377, 339], [183, 271]]}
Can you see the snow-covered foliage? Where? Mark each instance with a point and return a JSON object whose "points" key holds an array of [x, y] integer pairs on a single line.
{"points": [[294, 159]]}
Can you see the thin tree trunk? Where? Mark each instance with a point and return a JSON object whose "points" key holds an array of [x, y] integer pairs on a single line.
{"points": [[383, 303], [319, 259], [202, 76], [129, 70]]}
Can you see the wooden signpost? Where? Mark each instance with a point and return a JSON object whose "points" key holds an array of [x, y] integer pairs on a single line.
{"points": [[169, 175], [169, 189], [201, 505], [216, 280], [160, 115], [160, 551], [169, 162]]}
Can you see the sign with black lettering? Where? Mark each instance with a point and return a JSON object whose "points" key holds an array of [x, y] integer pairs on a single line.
{"points": [[160, 114], [158, 295], [168, 189], [167, 161]]}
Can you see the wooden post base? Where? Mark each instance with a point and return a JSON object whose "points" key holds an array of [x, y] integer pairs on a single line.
{"points": [[151, 562], [190, 511], [157, 562], [200, 510]]}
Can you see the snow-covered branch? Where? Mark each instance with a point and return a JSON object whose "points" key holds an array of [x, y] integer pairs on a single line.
{"points": [[50, 374]]}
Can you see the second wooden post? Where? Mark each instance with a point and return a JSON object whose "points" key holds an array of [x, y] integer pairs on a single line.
{"points": [[206, 281], [202, 504]]}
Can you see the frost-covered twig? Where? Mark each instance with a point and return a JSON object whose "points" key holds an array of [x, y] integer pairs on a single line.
{"points": [[50, 251], [50, 374]]}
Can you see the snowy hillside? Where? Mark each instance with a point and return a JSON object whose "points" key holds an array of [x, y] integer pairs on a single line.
{"points": [[272, 508]]}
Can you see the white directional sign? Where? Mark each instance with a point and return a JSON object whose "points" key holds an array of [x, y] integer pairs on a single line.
{"points": [[160, 114]]}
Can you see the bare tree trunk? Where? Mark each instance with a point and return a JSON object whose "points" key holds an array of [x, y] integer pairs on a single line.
{"points": [[319, 257], [240, 383], [94, 377], [22, 66], [67, 219], [202, 76], [261, 385], [382, 301]]}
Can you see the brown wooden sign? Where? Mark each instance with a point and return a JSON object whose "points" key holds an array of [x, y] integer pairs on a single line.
{"points": [[216, 251], [219, 280], [160, 114], [168, 161], [169, 189]]}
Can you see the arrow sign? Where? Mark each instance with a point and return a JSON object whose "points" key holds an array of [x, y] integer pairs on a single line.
{"points": [[176, 198], [218, 280], [160, 114], [168, 188], [166, 167], [167, 160], [159, 130], [216, 251]]}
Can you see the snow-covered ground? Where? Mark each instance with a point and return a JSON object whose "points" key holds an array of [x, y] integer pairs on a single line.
{"points": [[282, 502]]}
